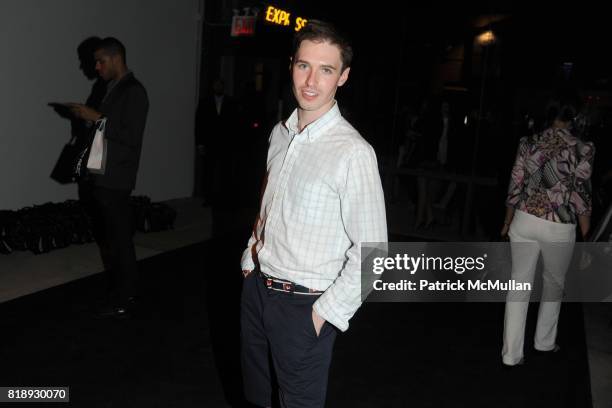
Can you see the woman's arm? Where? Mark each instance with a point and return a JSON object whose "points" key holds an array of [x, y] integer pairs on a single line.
{"points": [[584, 221], [507, 221]]}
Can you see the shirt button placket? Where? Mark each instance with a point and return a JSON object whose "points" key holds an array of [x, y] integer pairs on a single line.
{"points": [[283, 181]]}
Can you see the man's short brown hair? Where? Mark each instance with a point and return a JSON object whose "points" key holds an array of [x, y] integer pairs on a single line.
{"points": [[320, 31]]}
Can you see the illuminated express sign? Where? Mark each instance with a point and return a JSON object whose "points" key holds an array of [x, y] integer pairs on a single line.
{"points": [[283, 18]]}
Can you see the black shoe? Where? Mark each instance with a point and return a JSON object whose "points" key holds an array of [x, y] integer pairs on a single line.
{"points": [[554, 355], [509, 367], [113, 312], [556, 349]]}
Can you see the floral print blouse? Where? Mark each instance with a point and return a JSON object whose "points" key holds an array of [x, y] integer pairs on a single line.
{"points": [[551, 176]]}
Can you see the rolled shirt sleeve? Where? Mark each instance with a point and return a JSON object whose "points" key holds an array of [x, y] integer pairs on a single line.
{"points": [[247, 262], [364, 219]]}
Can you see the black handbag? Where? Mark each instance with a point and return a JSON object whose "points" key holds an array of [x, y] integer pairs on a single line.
{"points": [[64, 171]]}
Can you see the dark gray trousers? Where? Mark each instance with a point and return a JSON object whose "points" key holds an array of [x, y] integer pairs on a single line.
{"points": [[280, 325]]}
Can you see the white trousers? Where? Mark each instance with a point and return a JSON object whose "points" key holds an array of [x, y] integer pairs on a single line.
{"points": [[530, 236]]}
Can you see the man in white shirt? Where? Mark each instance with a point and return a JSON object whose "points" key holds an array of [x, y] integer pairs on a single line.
{"points": [[322, 197]]}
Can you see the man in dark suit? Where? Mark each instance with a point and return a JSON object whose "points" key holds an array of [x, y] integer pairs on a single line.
{"points": [[82, 129], [216, 139], [124, 109]]}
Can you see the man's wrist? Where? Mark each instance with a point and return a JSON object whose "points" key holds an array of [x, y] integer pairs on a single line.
{"points": [[318, 321]]}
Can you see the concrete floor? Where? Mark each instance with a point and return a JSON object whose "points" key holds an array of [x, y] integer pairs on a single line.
{"points": [[22, 273]]}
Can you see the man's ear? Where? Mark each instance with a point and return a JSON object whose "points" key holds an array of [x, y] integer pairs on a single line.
{"points": [[290, 63], [117, 60], [344, 76]]}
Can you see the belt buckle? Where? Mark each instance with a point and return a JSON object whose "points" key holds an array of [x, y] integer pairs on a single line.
{"points": [[269, 282], [288, 286]]}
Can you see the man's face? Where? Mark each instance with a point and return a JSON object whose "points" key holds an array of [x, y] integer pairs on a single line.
{"points": [[88, 66], [106, 65], [316, 74]]}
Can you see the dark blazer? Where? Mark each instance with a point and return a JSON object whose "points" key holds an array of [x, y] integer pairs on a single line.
{"points": [[126, 108], [217, 131]]}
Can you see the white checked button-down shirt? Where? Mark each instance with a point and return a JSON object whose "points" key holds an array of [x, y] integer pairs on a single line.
{"points": [[322, 198]]}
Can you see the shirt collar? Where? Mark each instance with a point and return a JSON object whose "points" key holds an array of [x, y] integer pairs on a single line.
{"points": [[114, 82], [111, 84], [316, 128]]}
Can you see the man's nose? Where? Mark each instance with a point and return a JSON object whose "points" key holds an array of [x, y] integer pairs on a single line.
{"points": [[311, 78]]}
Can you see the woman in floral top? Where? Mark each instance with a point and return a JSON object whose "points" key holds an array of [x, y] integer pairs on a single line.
{"points": [[549, 193]]}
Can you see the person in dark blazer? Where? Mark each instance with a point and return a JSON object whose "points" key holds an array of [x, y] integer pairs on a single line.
{"points": [[217, 139], [124, 109]]}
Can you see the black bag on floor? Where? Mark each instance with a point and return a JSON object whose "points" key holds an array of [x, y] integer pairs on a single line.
{"points": [[5, 248], [159, 217], [6, 217], [64, 171], [152, 217]]}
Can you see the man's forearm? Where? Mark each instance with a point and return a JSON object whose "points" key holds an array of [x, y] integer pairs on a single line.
{"points": [[341, 300], [85, 112]]}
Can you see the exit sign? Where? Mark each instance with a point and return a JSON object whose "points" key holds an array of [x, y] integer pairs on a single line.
{"points": [[243, 26]]}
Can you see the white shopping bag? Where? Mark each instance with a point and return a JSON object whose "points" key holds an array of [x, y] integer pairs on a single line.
{"points": [[97, 156]]}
